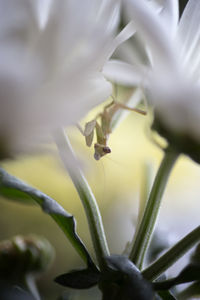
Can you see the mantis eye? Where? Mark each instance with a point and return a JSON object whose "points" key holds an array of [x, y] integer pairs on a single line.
{"points": [[100, 150], [106, 150]]}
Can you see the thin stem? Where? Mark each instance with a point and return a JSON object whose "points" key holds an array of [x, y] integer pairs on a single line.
{"points": [[88, 200], [145, 189], [172, 255], [143, 235]]}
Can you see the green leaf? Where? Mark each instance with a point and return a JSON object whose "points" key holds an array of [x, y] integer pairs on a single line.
{"points": [[79, 279], [172, 255], [190, 273], [9, 192], [166, 295], [195, 258], [191, 292], [65, 221], [86, 196]]}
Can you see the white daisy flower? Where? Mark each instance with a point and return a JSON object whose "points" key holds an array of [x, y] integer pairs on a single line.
{"points": [[171, 79], [51, 57]]}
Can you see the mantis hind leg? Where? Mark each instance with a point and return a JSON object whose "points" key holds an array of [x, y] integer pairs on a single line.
{"points": [[124, 106]]}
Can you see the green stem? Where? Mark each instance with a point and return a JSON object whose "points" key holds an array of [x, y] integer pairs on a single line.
{"points": [[88, 200], [144, 193], [172, 255], [145, 231]]}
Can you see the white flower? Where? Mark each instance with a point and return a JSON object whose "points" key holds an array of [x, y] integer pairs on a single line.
{"points": [[51, 56], [171, 79]]}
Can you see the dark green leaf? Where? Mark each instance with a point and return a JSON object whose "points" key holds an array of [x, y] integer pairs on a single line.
{"points": [[172, 255], [64, 220], [188, 274], [166, 295], [195, 258], [191, 292], [79, 279], [9, 192]]}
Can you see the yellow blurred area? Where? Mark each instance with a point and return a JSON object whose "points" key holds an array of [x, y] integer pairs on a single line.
{"points": [[115, 180]]}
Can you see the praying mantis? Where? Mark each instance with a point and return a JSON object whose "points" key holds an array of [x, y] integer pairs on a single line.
{"points": [[103, 125]]}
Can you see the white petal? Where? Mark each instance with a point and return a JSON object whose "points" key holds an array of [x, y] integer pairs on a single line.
{"points": [[48, 65], [152, 31], [194, 63], [170, 13], [43, 9], [109, 13], [157, 7], [125, 74], [18, 21], [74, 103], [189, 28], [124, 35], [130, 52], [97, 90]]}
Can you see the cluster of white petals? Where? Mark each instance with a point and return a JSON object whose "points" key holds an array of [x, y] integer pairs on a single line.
{"points": [[171, 78], [51, 57]]}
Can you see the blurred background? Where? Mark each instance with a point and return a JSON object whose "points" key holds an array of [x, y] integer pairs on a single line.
{"points": [[115, 180]]}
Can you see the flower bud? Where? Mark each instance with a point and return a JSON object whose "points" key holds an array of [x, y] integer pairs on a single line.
{"points": [[24, 255]]}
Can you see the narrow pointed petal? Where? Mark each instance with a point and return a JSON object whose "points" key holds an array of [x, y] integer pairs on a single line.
{"points": [[109, 12], [125, 34], [43, 9], [125, 74], [170, 13], [194, 63], [153, 32], [189, 28]]}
